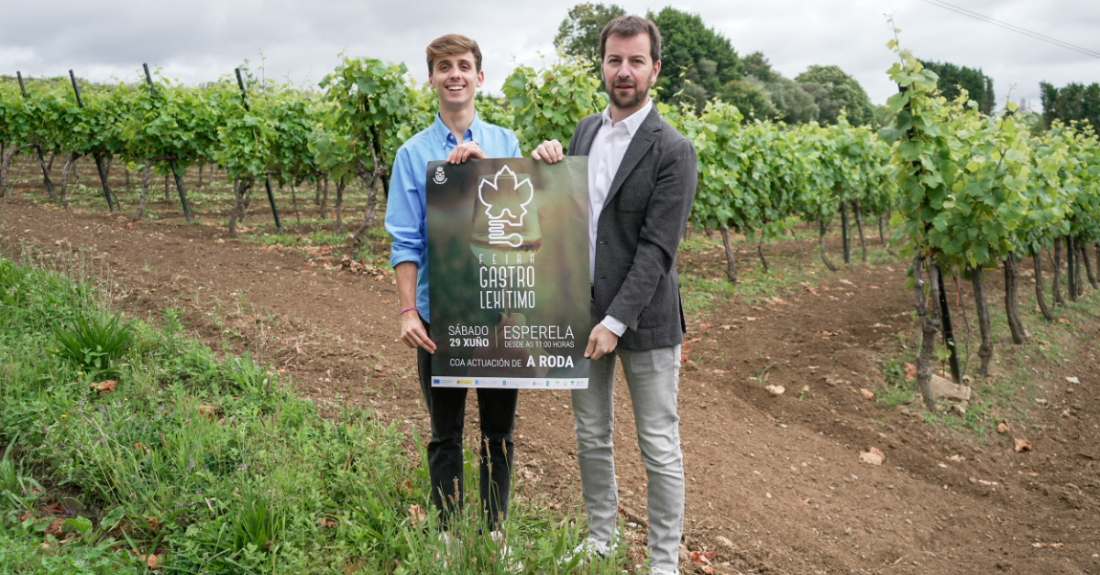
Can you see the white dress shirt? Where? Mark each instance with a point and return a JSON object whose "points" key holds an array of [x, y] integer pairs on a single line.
{"points": [[608, 149]]}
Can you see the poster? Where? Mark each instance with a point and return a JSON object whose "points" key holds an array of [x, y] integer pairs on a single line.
{"points": [[508, 258]]}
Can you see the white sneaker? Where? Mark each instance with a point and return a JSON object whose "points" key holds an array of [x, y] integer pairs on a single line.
{"points": [[450, 547], [589, 548], [509, 562], [656, 571]]}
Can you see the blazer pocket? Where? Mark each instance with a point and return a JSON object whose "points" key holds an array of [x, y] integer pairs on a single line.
{"points": [[651, 317]]}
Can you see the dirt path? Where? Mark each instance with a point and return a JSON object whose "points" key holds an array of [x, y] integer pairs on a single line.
{"points": [[779, 477]]}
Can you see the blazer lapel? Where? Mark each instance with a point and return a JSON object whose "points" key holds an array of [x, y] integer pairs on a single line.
{"points": [[581, 142], [640, 144]]}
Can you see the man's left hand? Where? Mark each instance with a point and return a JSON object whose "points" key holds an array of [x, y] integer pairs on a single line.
{"points": [[466, 151], [601, 341]]}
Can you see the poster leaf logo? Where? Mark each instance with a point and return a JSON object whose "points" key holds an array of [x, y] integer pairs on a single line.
{"points": [[503, 203]]}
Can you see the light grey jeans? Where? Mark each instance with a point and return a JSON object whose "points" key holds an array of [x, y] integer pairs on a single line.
{"points": [[653, 378]]}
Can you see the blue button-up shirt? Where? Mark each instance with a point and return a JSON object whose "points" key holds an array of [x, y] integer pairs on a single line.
{"points": [[406, 206]]}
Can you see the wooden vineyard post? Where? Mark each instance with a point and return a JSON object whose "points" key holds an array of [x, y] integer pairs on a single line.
{"points": [[171, 163], [38, 145], [844, 231], [948, 333], [98, 160], [267, 179]]}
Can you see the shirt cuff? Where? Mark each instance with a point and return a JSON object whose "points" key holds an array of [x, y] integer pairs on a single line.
{"points": [[617, 327]]}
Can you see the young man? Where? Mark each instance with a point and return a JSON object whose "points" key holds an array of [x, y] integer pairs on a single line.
{"points": [[454, 71], [641, 183]]}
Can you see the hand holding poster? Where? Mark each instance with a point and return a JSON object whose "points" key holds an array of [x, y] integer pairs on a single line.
{"points": [[508, 253]]}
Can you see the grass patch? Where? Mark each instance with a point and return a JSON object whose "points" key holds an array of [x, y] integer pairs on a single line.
{"points": [[703, 284], [313, 239], [201, 464], [755, 287], [898, 390]]}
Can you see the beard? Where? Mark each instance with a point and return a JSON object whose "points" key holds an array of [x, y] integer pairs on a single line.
{"points": [[627, 102]]}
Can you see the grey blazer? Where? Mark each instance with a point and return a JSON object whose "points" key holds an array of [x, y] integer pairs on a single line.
{"points": [[639, 231]]}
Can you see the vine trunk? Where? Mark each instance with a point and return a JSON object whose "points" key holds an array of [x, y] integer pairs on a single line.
{"points": [[1040, 290], [146, 182], [1012, 308], [241, 190], [1057, 288], [340, 185], [361, 234], [1078, 284], [731, 262], [65, 171], [1088, 267], [821, 247], [981, 302], [5, 163], [800, 250], [929, 328], [859, 226], [294, 200]]}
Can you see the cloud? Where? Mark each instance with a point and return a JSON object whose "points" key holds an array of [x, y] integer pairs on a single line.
{"points": [[201, 40]]}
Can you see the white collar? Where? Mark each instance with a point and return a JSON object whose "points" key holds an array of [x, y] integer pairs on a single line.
{"points": [[633, 121]]}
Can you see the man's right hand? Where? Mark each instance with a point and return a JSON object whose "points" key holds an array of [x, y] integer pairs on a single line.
{"points": [[549, 150], [413, 333], [601, 342]]}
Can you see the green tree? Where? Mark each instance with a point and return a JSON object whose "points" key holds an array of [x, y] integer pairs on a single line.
{"points": [[828, 108], [579, 34], [756, 64], [750, 98], [837, 91], [1072, 102], [692, 52], [954, 78], [794, 104]]}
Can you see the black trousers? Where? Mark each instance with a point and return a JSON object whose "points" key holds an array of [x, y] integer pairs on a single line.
{"points": [[447, 410]]}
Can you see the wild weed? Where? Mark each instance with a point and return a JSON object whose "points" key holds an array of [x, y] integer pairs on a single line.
{"points": [[94, 342], [15, 484]]}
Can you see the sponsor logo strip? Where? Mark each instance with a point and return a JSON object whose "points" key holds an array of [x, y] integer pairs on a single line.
{"points": [[511, 383]]}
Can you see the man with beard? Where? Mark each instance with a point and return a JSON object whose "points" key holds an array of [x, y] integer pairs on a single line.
{"points": [[641, 182]]}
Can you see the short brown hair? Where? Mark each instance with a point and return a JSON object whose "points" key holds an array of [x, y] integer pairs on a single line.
{"points": [[628, 26], [450, 45]]}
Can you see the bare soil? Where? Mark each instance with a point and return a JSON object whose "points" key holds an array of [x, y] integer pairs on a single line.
{"points": [[774, 483]]}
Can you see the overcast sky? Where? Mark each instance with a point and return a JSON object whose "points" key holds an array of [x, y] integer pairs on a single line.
{"points": [[200, 40]]}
